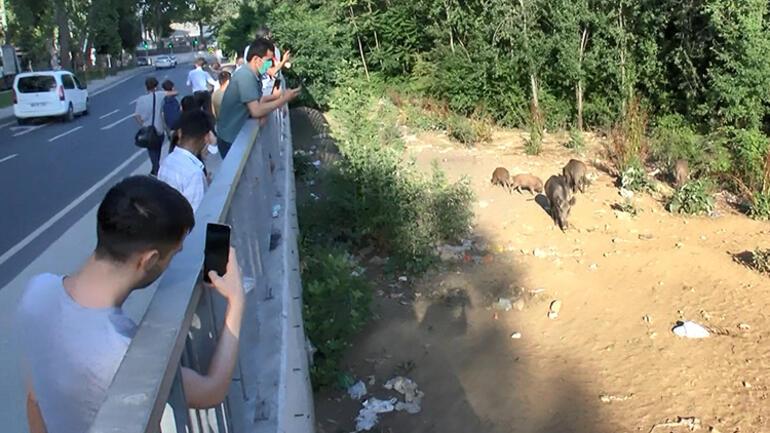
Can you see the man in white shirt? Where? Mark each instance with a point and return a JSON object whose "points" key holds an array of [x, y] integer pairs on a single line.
{"points": [[182, 169], [199, 80]]}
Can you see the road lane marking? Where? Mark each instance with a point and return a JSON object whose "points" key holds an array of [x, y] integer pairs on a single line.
{"points": [[32, 236], [26, 129], [9, 157], [7, 124], [65, 133], [109, 114], [104, 128], [134, 101]]}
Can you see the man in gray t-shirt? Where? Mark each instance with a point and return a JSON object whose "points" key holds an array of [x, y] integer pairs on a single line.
{"points": [[72, 331], [145, 116], [243, 97]]}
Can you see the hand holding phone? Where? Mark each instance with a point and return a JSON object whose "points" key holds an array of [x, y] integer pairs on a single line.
{"points": [[216, 253], [229, 285]]}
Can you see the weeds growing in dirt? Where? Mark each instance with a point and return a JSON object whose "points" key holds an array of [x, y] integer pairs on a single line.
{"points": [[760, 260], [534, 145], [635, 178], [576, 140], [693, 198]]}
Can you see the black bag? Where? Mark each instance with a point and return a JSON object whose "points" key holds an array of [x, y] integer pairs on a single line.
{"points": [[148, 137]]}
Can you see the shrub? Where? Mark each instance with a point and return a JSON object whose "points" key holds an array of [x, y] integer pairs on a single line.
{"points": [[628, 145], [692, 198], [461, 129], [760, 260], [376, 196], [760, 206], [674, 139], [634, 177], [336, 306], [576, 140]]}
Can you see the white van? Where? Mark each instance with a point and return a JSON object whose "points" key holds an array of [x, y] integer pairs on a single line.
{"points": [[48, 93]]}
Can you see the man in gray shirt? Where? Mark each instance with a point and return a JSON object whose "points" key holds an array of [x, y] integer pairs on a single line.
{"points": [[243, 97], [145, 116], [72, 330]]}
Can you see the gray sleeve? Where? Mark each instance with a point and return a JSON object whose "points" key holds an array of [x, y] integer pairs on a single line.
{"points": [[249, 88]]}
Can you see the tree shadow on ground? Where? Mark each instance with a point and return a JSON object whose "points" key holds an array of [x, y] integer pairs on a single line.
{"points": [[442, 332]]}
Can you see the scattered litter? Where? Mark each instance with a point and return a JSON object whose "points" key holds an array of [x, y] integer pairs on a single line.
{"points": [[451, 252], [746, 384], [679, 245], [407, 387], [503, 304], [646, 236], [593, 267], [411, 407], [690, 329], [317, 163], [536, 291], [357, 391], [516, 336], [691, 422], [483, 204], [403, 279], [647, 318], [367, 416], [744, 326], [315, 196], [554, 309], [537, 252], [276, 210], [609, 398]]}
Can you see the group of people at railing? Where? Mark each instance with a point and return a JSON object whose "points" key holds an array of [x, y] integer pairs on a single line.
{"points": [[73, 332]]}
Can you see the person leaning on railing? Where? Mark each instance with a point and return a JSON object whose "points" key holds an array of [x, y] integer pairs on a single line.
{"points": [[243, 97], [72, 330]]}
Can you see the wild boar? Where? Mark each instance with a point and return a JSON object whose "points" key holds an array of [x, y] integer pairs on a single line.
{"points": [[575, 175], [560, 199]]}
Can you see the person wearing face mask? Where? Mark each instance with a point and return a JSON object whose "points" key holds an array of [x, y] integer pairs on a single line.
{"points": [[243, 97]]}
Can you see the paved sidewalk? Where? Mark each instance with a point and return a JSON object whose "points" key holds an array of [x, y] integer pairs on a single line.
{"points": [[94, 87]]}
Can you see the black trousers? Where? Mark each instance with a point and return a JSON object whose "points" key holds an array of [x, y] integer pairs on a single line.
{"points": [[154, 153]]}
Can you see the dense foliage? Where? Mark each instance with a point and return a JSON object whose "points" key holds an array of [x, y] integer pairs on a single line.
{"points": [[694, 77]]}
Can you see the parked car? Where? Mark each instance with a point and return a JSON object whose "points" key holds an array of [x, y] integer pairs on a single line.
{"points": [[164, 62], [173, 60], [142, 61], [47, 94]]}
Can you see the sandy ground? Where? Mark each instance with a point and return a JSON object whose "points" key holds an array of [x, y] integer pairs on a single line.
{"points": [[623, 281]]}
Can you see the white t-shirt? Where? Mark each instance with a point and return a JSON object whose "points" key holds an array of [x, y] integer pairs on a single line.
{"points": [[144, 109], [70, 352], [184, 172]]}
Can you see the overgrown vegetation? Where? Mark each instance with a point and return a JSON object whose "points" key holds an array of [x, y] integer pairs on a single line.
{"points": [[336, 300], [373, 196], [760, 260], [693, 198]]}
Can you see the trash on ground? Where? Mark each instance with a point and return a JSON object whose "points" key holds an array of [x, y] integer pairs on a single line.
{"points": [[276, 210], [744, 326], [411, 408], [690, 329], [518, 305], [405, 386], [516, 336], [357, 391], [691, 422], [609, 398], [367, 416], [554, 309], [503, 304], [403, 279], [317, 163], [454, 252]]}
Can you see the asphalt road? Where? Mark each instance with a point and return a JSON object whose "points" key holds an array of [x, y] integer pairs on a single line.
{"points": [[53, 172]]}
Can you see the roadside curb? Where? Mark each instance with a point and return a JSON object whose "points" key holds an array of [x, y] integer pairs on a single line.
{"points": [[100, 89]]}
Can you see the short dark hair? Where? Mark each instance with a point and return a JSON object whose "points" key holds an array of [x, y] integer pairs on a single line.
{"points": [[188, 103], [195, 124], [168, 85], [151, 83], [224, 77], [141, 213], [200, 61], [259, 47]]}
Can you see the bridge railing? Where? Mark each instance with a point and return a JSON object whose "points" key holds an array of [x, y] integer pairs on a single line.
{"points": [[270, 391]]}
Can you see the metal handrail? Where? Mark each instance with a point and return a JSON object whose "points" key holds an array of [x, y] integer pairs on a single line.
{"points": [[181, 321]]}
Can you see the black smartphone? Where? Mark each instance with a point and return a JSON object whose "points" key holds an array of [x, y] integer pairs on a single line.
{"points": [[217, 250]]}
